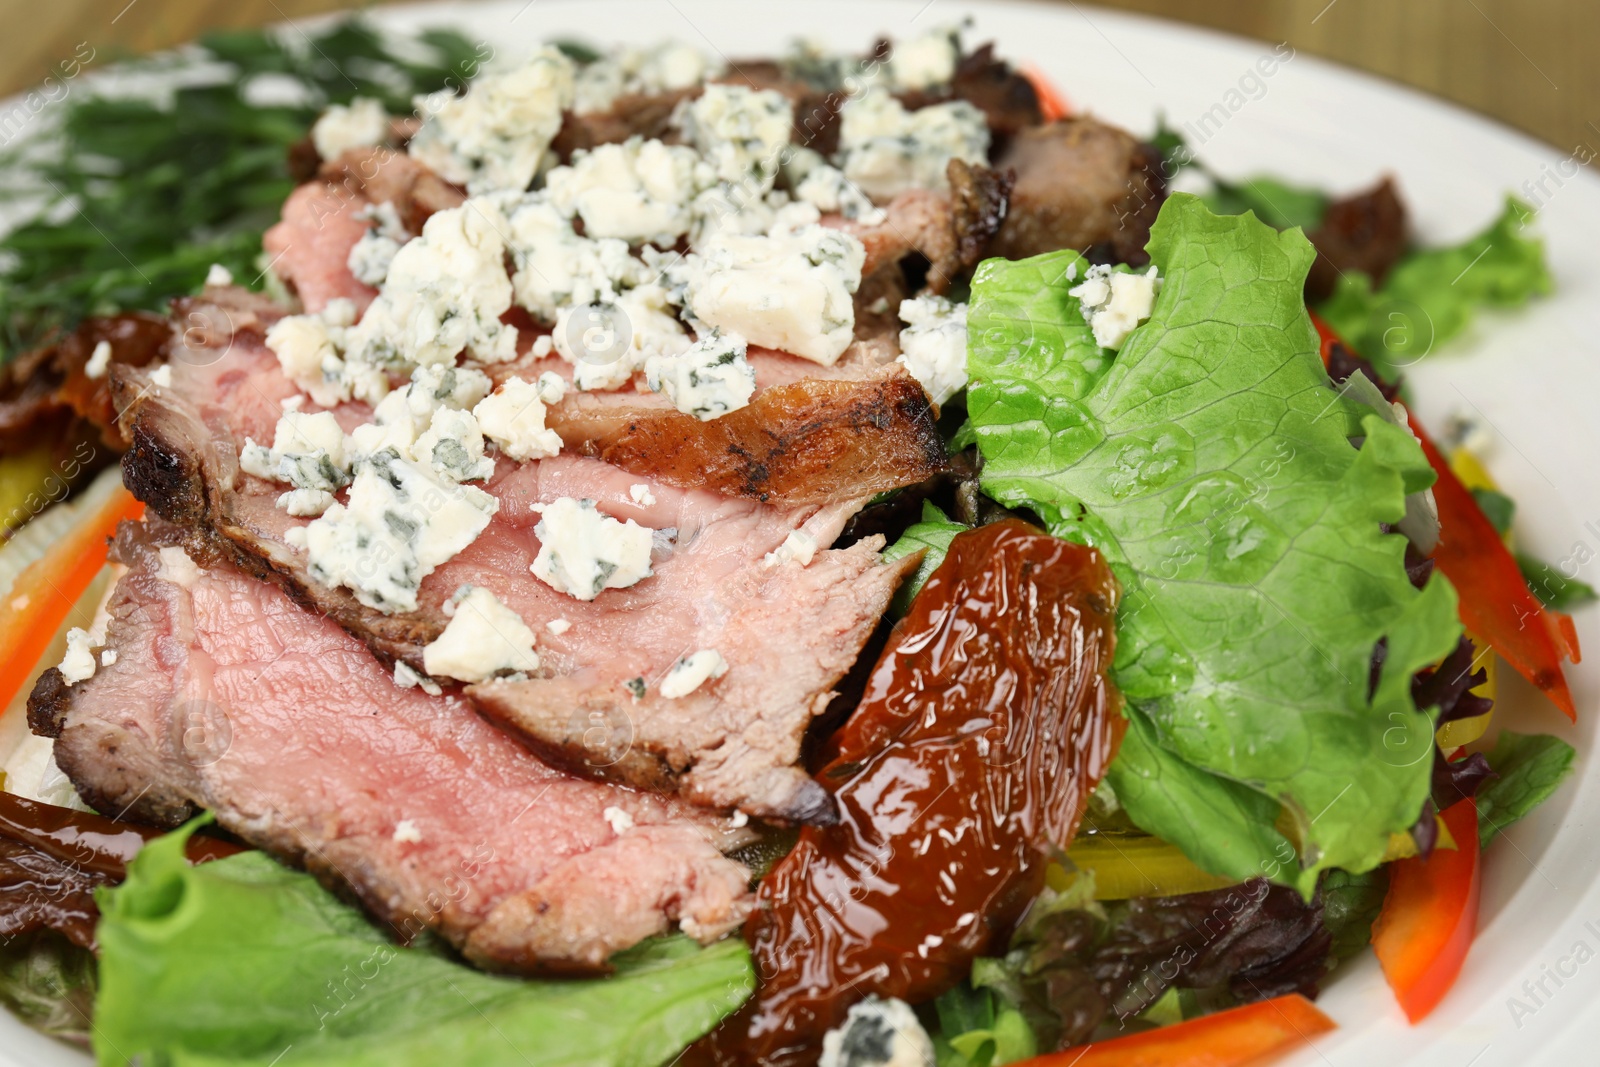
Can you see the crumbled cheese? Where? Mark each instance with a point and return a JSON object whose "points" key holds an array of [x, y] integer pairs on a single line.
{"points": [[693, 671], [621, 822], [308, 452], [1115, 302], [667, 66], [444, 294], [494, 135], [556, 268], [218, 275], [738, 820], [398, 525], [407, 678], [403, 416], [637, 191], [513, 418], [78, 664], [371, 257], [878, 1033], [799, 545], [790, 291], [933, 346], [742, 132], [162, 376], [710, 379], [99, 360], [305, 503], [885, 149], [406, 832], [361, 123], [452, 447], [607, 343], [640, 494], [307, 347], [926, 61], [176, 567], [582, 551], [552, 387], [108, 658], [484, 639], [558, 626], [826, 187]]}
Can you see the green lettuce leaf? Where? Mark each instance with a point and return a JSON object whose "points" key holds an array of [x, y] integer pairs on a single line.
{"points": [[1531, 767], [1430, 296], [931, 536], [242, 961], [1275, 202], [1350, 905], [1211, 462]]}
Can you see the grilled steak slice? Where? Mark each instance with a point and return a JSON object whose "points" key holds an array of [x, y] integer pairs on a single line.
{"points": [[710, 589], [227, 696], [1364, 232], [383, 175], [1080, 184], [309, 247], [811, 441], [644, 115]]}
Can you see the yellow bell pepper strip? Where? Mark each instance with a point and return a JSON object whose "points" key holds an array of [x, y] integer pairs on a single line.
{"points": [[1429, 917], [1231, 1038], [44, 594], [1132, 865]]}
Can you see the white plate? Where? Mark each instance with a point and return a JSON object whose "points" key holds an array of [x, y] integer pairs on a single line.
{"points": [[1534, 377]]}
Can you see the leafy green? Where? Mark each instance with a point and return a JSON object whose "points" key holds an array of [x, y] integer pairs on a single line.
{"points": [[1275, 202], [1554, 589], [243, 961], [979, 1028], [1530, 768], [1211, 463], [1430, 296], [1350, 905], [1498, 508], [933, 535], [140, 197], [49, 983]]}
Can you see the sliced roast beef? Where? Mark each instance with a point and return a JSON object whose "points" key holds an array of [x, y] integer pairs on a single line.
{"points": [[1006, 97], [711, 587], [644, 115], [384, 175], [1081, 184], [308, 249], [225, 695]]}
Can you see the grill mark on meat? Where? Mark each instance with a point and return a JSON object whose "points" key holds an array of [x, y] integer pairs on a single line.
{"points": [[1083, 184], [313, 754], [184, 465], [812, 441]]}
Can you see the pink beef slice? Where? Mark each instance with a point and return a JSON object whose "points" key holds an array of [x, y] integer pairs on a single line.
{"points": [[309, 248], [788, 632], [227, 696]]}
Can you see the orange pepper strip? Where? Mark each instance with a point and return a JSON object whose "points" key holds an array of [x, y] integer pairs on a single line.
{"points": [[1429, 916], [1227, 1039], [1052, 103], [45, 592], [1495, 601]]}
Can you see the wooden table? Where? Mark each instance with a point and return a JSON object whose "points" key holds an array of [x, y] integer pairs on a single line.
{"points": [[1530, 63]]}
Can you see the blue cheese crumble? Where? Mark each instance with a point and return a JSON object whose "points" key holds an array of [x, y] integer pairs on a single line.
{"points": [[790, 289], [583, 552], [742, 132], [886, 150], [308, 452], [495, 134], [878, 1033], [711, 378], [693, 671], [513, 418], [398, 525], [638, 191], [558, 268], [659, 69], [933, 346], [484, 639], [359, 124], [1114, 302]]}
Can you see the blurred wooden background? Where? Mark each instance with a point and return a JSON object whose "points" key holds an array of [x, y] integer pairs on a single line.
{"points": [[1530, 63]]}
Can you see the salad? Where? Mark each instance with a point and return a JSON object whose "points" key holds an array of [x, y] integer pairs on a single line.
{"points": [[623, 556]]}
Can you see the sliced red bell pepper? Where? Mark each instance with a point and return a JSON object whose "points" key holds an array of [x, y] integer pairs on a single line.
{"points": [[43, 595], [1052, 103], [1495, 601], [1429, 916], [1229, 1038]]}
